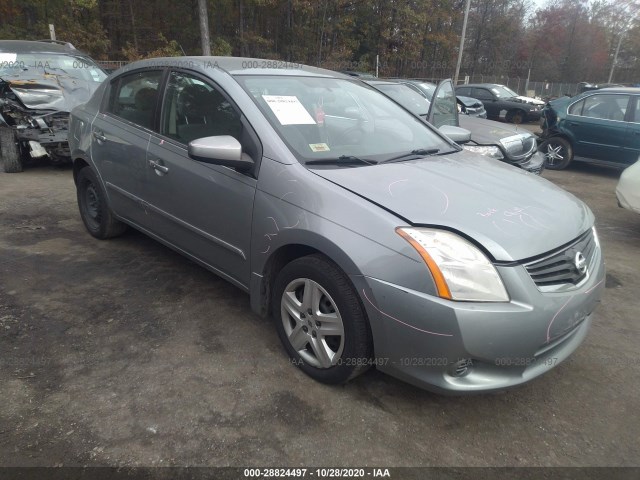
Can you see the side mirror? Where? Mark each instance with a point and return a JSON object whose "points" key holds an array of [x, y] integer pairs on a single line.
{"points": [[457, 134], [219, 150]]}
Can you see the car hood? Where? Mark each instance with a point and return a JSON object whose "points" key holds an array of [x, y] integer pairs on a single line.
{"points": [[470, 102], [514, 215], [516, 143], [50, 91], [530, 100]]}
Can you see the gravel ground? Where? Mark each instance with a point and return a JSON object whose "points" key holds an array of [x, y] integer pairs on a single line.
{"points": [[124, 353]]}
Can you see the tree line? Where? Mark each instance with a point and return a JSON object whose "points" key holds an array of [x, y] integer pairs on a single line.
{"points": [[560, 41]]}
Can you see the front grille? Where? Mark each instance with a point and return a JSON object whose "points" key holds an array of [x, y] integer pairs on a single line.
{"points": [[560, 268]]}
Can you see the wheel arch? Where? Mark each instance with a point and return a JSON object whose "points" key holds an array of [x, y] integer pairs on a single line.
{"points": [[309, 243], [79, 162]]}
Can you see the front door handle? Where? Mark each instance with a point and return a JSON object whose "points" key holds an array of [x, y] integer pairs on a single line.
{"points": [[99, 136], [159, 168]]}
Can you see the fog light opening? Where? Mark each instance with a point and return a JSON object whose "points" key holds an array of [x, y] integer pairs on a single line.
{"points": [[461, 368]]}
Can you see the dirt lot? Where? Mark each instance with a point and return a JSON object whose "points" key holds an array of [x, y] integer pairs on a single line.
{"points": [[124, 353]]}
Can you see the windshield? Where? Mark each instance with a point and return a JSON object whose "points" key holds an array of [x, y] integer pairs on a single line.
{"points": [[510, 91], [24, 64], [327, 118], [503, 92], [405, 96]]}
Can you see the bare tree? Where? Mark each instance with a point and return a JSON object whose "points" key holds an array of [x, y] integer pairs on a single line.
{"points": [[204, 27]]}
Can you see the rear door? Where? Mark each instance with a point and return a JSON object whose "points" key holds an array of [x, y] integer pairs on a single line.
{"points": [[203, 210], [599, 126], [120, 136]]}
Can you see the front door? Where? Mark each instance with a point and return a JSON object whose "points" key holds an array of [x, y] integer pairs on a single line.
{"points": [[633, 132], [489, 101], [201, 209]]}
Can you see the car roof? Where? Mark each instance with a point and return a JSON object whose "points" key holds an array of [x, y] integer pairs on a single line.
{"points": [[417, 81], [237, 66], [635, 90], [44, 46], [480, 85], [383, 81]]}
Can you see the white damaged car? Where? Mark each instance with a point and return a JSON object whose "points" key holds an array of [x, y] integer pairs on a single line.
{"points": [[628, 189]]}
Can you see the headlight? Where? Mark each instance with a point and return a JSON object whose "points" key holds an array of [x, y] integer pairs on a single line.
{"points": [[488, 150], [595, 236], [459, 269]]}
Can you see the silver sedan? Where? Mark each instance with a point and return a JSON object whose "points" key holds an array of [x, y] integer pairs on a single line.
{"points": [[370, 238]]}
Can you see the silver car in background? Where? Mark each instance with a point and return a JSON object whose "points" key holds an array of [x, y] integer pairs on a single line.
{"points": [[369, 237]]}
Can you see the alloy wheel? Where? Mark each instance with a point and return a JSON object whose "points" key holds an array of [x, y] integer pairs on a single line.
{"points": [[312, 323], [554, 154]]}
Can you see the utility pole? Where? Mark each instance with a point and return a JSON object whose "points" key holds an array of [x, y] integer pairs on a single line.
{"points": [[630, 9], [615, 56], [464, 33], [204, 27]]}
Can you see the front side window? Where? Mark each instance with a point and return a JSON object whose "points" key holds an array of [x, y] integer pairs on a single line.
{"points": [[134, 97], [194, 109], [428, 89], [636, 116], [445, 106], [482, 94], [326, 118], [576, 108], [606, 106], [405, 96]]}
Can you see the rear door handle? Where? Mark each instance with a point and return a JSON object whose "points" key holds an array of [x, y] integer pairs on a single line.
{"points": [[156, 166], [99, 136]]}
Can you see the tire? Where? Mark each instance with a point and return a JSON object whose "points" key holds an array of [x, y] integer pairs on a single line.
{"points": [[557, 152], [94, 208], [10, 150], [516, 116], [303, 326]]}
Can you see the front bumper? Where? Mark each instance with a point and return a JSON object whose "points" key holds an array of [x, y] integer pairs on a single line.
{"points": [[534, 115], [534, 164], [422, 339]]}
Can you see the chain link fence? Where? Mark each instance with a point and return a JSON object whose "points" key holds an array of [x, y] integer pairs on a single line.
{"points": [[544, 90], [530, 89]]}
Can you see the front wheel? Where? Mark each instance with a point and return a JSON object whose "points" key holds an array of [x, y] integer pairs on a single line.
{"points": [[320, 320], [10, 151], [94, 209], [557, 152], [515, 116]]}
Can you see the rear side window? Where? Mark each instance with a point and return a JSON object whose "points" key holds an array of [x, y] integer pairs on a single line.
{"points": [[134, 97], [463, 91], [606, 107]]}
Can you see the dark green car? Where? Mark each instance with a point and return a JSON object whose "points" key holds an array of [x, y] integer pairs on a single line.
{"points": [[601, 126]]}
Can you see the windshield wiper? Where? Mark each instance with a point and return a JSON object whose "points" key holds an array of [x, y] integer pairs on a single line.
{"points": [[419, 152], [342, 159]]}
